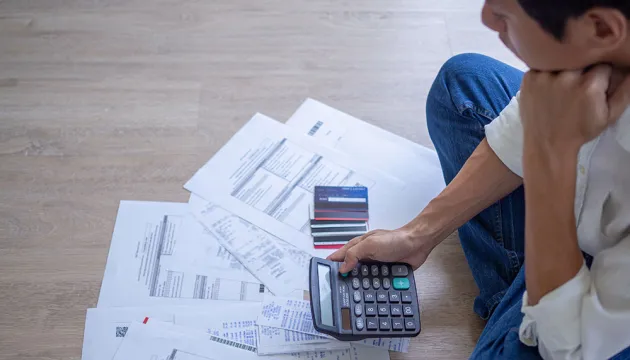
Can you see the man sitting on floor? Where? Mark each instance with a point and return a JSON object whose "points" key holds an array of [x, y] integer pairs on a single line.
{"points": [[554, 275]]}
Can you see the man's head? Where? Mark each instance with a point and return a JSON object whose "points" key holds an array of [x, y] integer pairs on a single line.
{"points": [[562, 34]]}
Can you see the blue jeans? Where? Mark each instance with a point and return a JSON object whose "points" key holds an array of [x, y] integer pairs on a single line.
{"points": [[470, 91]]}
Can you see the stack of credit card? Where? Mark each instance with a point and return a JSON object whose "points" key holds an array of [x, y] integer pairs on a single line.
{"points": [[340, 214]]}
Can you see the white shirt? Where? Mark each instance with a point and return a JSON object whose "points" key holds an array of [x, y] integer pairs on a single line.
{"points": [[589, 316]]}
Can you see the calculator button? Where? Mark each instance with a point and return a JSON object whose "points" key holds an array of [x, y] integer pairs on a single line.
{"points": [[397, 324], [364, 270], [406, 297], [355, 271], [383, 310], [356, 283], [385, 270], [370, 310], [410, 324], [400, 270], [344, 275], [372, 324], [395, 310], [357, 296], [383, 324], [401, 283], [386, 283], [381, 296], [376, 283], [368, 296], [366, 283], [358, 309], [374, 269], [360, 324], [394, 297], [407, 310]]}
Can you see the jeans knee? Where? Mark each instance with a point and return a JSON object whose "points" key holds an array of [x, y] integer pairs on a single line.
{"points": [[468, 64], [456, 74]]}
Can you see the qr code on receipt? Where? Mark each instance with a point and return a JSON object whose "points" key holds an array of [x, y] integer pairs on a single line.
{"points": [[121, 331]]}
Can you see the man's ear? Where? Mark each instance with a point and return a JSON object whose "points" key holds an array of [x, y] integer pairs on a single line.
{"points": [[605, 28]]}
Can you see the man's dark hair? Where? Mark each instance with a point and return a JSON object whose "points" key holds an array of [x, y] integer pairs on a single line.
{"points": [[553, 15]]}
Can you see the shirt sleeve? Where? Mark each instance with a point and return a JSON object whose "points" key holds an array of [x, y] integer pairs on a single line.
{"points": [[589, 316], [505, 136]]}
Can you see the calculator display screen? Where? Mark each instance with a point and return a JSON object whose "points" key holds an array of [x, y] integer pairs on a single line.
{"points": [[325, 294]]}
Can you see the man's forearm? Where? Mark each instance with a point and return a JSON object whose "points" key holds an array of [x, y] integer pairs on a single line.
{"points": [[482, 181], [552, 254]]}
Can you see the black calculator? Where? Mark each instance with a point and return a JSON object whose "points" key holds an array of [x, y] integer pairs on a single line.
{"points": [[374, 300]]}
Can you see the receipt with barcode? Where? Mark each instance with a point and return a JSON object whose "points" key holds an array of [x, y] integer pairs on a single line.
{"points": [[235, 323], [272, 341], [273, 262], [295, 315], [161, 341]]}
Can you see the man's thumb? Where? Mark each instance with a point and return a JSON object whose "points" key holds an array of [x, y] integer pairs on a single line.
{"points": [[619, 101]]}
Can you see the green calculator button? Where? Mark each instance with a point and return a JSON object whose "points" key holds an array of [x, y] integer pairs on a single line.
{"points": [[401, 283], [344, 274]]}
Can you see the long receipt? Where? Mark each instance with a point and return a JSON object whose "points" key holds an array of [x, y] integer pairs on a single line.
{"points": [[272, 341], [261, 253], [295, 315]]}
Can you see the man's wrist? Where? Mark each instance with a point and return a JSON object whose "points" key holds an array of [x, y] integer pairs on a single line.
{"points": [[424, 232]]}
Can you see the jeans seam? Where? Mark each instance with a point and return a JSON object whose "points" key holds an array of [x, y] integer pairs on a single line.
{"points": [[469, 105], [512, 254], [498, 225], [492, 303]]}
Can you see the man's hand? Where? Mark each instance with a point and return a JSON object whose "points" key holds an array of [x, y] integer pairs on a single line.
{"points": [[383, 245], [565, 110], [560, 113]]}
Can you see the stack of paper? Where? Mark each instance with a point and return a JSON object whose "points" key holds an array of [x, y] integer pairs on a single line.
{"points": [[210, 279]]}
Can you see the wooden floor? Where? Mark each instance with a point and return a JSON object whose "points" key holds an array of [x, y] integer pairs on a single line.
{"points": [[104, 100]]}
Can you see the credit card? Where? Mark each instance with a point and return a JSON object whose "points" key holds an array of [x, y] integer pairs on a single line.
{"points": [[341, 197], [334, 228], [341, 215], [328, 247], [318, 235], [337, 222], [334, 239]]}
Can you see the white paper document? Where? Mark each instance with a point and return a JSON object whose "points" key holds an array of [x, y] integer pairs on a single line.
{"points": [[289, 314], [160, 341], [144, 268], [235, 323], [295, 315], [105, 328], [417, 166], [272, 341], [278, 265], [267, 172]]}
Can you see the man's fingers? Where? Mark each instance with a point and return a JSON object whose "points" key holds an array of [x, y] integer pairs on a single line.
{"points": [[353, 255], [619, 101], [340, 254], [597, 79]]}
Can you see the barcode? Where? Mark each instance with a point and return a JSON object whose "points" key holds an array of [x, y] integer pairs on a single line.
{"points": [[262, 288], [121, 331], [315, 128], [232, 343]]}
